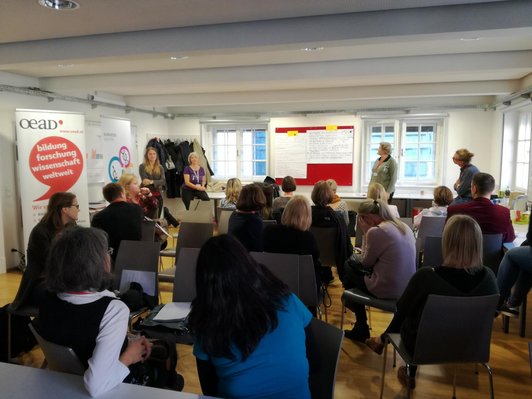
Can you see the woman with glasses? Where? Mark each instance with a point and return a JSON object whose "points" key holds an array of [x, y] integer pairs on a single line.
{"points": [[62, 211], [387, 261], [384, 170]]}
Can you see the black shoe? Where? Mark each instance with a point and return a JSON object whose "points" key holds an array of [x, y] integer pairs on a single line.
{"points": [[169, 218], [506, 310], [359, 333]]}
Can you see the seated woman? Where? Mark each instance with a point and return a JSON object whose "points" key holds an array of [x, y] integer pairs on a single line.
{"points": [[246, 222], [324, 216], [461, 274], [288, 186], [267, 210], [232, 192], [146, 199], [195, 181], [292, 236], [442, 199], [515, 270], [250, 329], [337, 203], [80, 313], [376, 191], [387, 261], [62, 211]]}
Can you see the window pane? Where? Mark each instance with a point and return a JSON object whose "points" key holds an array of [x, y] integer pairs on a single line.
{"points": [[260, 168], [410, 169], [260, 137], [376, 129], [426, 152], [389, 137], [411, 154], [247, 138], [260, 153]]}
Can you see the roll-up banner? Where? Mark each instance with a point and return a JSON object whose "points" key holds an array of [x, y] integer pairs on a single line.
{"points": [[116, 133], [51, 158]]}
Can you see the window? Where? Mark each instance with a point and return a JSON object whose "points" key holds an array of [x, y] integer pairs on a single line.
{"points": [[522, 159], [415, 146], [238, 151]]}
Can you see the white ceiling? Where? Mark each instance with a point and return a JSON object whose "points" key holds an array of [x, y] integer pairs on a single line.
{"points": [[245, 56]]}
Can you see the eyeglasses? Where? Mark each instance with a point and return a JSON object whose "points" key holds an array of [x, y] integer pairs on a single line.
{"points": [[110, 251], [76, 205]]}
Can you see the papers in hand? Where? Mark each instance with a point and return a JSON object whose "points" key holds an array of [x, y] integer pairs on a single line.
{"points": [[173, 311]]}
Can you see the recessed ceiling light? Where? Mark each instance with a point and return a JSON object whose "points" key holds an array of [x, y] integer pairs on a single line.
{"points": [[59, 4], [312, 49], [471, 39], [65, 65], [182, 57]]}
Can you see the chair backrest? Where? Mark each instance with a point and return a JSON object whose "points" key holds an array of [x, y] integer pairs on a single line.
{"points": [[432, 254], [195, 216], [492, 251], [58, 357], [223, 219], [193, 235], [185, 275], [408, 221], [359, 234], [455, 330], [284, 266], [204, 206], [138, 261], [308, 290], [266, 222], [429, 226], [326, 240], [324, 345], [148, 230]]}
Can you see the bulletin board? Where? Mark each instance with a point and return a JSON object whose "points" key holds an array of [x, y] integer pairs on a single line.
{"points": [[315, 153]]}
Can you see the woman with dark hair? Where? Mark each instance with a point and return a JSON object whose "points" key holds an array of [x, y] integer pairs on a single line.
{"points": [[387, 261], [288, 185], [246, 222], [80, 313], [62, 211], [250, 329], [152, 174], [461, 274], [324, 216]]}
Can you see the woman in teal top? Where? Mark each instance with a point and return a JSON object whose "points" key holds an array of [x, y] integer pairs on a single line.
{"points": [[250, 329]]}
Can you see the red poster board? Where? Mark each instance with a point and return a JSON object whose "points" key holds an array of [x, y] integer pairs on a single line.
{"points": [[342, 173]]}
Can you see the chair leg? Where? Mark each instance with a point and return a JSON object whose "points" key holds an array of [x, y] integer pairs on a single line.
{"points": [[342, 316], [408, 374], [394, 358], [9, 337], [454, 382], [368, 308], [384, 365], [505, 324], [522, 319], [490, 375]]}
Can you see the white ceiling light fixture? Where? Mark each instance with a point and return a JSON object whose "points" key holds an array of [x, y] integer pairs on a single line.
{"points": [[59, 5], [312, 49], [179, 57]]}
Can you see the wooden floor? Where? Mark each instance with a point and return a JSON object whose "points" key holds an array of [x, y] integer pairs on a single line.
{"points": [[359, 369]]}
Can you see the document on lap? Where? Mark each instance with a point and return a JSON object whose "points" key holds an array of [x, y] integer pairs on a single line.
{"points": [[173, 311]]}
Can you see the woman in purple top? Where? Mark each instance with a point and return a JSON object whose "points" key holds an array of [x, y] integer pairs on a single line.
{"points": [[195, 182], [387, 262]]}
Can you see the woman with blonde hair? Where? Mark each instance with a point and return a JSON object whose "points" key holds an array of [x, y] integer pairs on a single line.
{"points": [[232, 192], [194, 181], [387, 261], [443, 197], [152, 175], [376, 191], [461, 274], [384, 170], [292, 236], [462, 157], [337, 203]]}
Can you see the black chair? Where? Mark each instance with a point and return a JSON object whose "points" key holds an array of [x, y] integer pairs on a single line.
{"points": [[324, 345], [429, 226], [191, 235], [136, 257], [148, 230], [23, 310], [451, 330], [492, 251], [184, 289], [432, 253], [357, 296]]}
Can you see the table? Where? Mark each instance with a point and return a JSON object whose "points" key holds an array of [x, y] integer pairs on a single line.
{"points": [[22, 382]]}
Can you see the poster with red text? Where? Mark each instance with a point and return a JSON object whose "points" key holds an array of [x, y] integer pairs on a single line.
{"points": [[50, 149]]}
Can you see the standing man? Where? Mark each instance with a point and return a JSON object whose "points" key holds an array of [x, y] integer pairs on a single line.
{"points": [[120, 220]]}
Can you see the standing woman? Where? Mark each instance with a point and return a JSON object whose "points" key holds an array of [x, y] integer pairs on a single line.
{"points": [[461, 274], [250, 330], [246, 222], [384, 169], [62, 211], [462, 186], [152, 174], [195, 181]]}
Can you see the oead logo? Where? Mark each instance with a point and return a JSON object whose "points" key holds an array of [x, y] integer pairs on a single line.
{"points": [[45, 124]]}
